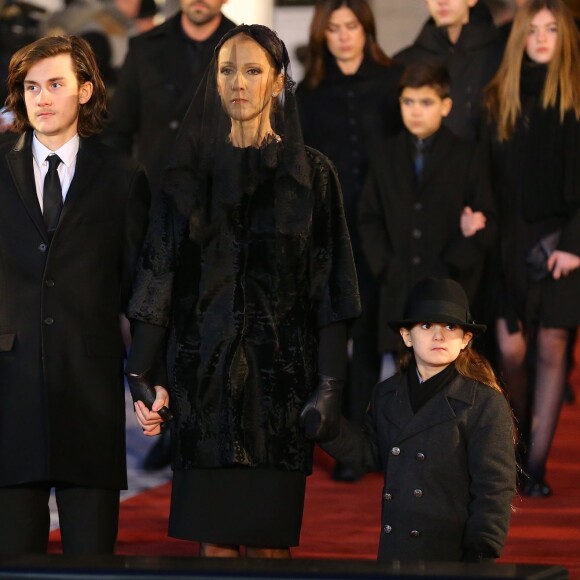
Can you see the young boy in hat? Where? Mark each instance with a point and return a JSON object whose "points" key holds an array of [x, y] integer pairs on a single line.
{"points": [[442, 433], [427, 207]]}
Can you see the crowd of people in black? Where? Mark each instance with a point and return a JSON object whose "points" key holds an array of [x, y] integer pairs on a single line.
{"points": [[251, 254]]}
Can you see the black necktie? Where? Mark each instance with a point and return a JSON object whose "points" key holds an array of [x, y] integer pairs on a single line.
{"points": [[52, 195], [419, 158]]}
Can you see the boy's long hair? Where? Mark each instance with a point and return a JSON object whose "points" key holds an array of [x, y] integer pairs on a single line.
{"points": [[91, 114], [562, 85], [315, 72]]}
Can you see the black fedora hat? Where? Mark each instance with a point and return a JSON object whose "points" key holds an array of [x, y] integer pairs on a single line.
{"points": [[437, 300]]}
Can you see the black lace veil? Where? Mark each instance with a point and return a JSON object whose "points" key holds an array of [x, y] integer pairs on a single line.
{"points": [[241, 127]]}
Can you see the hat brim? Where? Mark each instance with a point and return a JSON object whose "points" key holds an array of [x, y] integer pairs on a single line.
{"points": [[476, 329]]}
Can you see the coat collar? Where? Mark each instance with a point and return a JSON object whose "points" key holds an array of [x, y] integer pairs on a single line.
{"points": [[19, 160], [479, 32], [393, 402], [369, 69]]}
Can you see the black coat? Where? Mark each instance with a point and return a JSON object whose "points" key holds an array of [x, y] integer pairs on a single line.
{"points": [[409, 232], [263, 268], [471, 62], [155, 87], [450, 469], [346, 117], [61, 352]]}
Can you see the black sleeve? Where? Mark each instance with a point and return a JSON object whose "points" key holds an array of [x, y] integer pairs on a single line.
{"points": [[332, 350], [148, 352]]}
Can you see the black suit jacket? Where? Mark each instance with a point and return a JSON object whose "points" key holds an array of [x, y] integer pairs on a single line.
{"points": [[155, 87], [410, 233], [62, 416]]}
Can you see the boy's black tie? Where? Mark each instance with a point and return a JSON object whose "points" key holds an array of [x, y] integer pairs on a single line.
{"points": [[419, 158], [52, 195]]}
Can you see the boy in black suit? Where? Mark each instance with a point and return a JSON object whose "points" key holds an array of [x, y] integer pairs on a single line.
{"points": [[427, 207], [73, 213]]}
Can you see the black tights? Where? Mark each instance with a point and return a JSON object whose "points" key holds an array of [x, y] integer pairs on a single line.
{"points": [[536, 393]]}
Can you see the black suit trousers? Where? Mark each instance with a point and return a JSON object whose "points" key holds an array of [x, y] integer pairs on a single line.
{"points": [[89, 519]]}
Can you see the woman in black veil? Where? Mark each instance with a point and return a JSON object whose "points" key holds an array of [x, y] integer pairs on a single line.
{"points": [[247, 275]]}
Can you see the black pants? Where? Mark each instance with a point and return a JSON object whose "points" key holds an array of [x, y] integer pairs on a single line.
{"points": [[89, 519]]}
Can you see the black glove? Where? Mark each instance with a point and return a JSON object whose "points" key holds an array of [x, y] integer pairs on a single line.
{"points": [[142, 390], [321, 415]]}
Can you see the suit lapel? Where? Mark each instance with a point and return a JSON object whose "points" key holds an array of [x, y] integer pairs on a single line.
{"points": [[438, 409], [88, 164], [395, 403], [440, 150], [20, 163]]}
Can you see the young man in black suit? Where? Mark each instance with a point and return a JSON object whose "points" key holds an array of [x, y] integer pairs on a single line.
{"points": [[73, 213]]}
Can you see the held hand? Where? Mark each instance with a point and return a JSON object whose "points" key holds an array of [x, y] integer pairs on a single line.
{"points": [[321, 414], [471, 222], [142, 390], [150, 420], [562, 263]]}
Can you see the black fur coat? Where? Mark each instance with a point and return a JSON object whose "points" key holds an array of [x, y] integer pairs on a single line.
{"points": [[244, 283]]}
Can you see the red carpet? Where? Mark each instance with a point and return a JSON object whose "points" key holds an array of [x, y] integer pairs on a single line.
{"points": [[343, 520]]}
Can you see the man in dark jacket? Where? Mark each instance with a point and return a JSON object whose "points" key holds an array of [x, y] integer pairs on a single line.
{"points": [[461, 35], [162, 70], [72, 219]]}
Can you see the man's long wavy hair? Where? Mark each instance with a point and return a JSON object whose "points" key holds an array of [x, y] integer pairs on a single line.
{"points": [[562, 85], [317, 44], [92, 114]]}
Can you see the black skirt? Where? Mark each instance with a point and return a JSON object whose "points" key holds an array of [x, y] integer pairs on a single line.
{"points": [[260, 508]]}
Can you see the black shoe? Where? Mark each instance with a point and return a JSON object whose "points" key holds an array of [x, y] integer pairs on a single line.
{"points": [[534, 488], [159, 455], [345, 473]]}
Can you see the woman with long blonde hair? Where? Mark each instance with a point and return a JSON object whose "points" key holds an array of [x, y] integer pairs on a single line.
{"points": [[534, 109]]}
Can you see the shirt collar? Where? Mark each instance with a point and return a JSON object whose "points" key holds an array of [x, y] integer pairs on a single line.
{"points": [[66, 152]]}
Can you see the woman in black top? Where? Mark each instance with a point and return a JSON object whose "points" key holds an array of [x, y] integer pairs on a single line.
{"points": [[348, 102], [534, 105]]}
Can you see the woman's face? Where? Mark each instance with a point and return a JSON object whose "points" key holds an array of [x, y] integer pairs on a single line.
{"points": [[345, 35], [246, 80], [542, 37]]}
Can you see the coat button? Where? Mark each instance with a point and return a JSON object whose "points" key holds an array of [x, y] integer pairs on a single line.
{"points": [[417, 233], [417, 206], [49, 283], [48, 321], [387, 496], [420, 457], [416, 260], [43, 247], [418, 493], [414, 533], [395, 451], [387, 529], [174, 125]]}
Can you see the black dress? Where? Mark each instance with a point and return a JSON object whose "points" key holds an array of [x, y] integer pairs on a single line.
{"points": [[537, 177]]}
